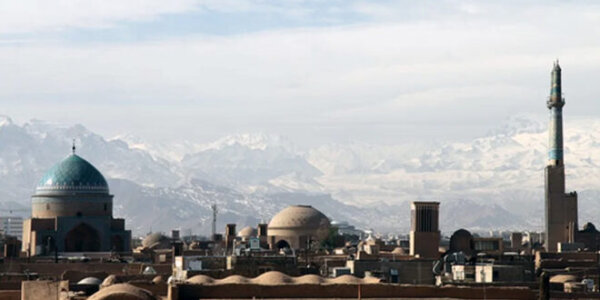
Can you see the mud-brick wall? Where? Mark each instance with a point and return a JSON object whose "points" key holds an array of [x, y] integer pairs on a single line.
{"points": [[224, 291], [11, 295]]}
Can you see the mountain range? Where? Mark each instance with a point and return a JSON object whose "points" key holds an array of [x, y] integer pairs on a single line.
{"points": [[494, 182]]}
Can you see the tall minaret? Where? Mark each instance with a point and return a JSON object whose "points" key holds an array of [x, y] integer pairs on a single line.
{"points": [[555, 104], [561, 208]]}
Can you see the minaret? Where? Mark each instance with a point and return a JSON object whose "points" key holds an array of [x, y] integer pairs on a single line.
{"points": [[561, 208]]}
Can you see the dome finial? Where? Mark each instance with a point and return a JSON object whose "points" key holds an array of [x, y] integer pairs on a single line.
{"points": [[73, 148]]}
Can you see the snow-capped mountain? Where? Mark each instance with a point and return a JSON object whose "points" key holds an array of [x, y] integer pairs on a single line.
{"points": [[492, 182], [253, 163]]}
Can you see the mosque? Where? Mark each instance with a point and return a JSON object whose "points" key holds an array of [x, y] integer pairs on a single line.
{"points": [[72, 212]]}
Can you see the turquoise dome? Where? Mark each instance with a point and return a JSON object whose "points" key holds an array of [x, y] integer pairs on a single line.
{"points": [[73, 174]]}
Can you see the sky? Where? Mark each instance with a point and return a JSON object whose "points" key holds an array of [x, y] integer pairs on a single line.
{"points": [[384, 72]]}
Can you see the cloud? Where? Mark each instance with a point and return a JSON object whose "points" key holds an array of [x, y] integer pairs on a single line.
{"points": [[425, 70], [37, 15]]}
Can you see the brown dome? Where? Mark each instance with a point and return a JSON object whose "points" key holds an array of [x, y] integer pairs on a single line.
{"points": [[233, 279], [122, 291], [346, 279], [247, 232], [158, 279], [156, 241], [562, 278], [399, 251], [110, 280], [200, 279], [309, 279], [272, 278], [299, 220]]}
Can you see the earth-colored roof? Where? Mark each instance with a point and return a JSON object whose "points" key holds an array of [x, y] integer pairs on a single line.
{"points": [[158, 279], [309, 279], [235, 279], [562, 278], [122, 291], [156, 240], [247, 232], [272, 278], [278, 278], [110, 280], [346, 279], [73, 174], [299, 216], [398, 251], [201, 279]]}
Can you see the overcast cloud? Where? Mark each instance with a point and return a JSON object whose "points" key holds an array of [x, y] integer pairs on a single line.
{"points": [[384, 72]]}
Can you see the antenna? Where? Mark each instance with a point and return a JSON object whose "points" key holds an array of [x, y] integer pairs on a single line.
{"points": [[214, 219], [73, 148]]}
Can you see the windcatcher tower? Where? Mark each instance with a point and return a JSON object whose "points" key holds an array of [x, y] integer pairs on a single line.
{"points": [[561, 208], [425, 232]]}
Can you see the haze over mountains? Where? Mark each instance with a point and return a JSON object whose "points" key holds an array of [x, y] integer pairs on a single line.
{"points": [[492, 182]]}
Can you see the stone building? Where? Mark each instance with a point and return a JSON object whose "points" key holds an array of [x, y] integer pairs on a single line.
{"points": [[297, 227], [72, 211]]}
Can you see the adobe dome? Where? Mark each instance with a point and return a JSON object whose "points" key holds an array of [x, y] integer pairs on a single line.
{"points": [[346, 279], [562, 278], [233, 279], [272, 278], [310, 279], [200, 279], [299, 220], [399, 251], [122, 291], [156, 240], [247, 232], [73, 174]]}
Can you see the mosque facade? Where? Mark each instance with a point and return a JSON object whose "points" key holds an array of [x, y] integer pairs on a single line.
{"points": [[72, 211]]}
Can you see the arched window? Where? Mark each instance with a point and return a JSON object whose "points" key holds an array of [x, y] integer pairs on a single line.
{"points": [[82, 238]]}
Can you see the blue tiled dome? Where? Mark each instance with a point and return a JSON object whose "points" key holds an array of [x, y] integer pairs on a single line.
{"points": [[73, 174]]}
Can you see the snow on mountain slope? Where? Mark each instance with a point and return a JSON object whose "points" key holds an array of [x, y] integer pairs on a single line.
{"points": [[27, 151], [504, 168], [251, 163], [492, 182], [172, 151]]}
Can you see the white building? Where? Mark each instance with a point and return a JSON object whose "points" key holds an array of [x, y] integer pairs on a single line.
{"points": [[12, 226]]}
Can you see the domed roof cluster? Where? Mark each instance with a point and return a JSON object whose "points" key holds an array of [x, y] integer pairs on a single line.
{"points": [[122, 291], [73, 174], [299, 216], [278, 278]]}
